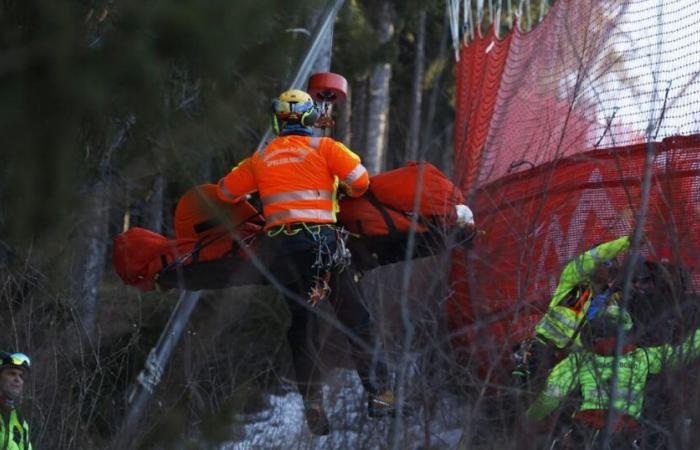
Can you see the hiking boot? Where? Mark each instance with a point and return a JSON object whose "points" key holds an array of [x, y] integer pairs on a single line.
{"points": [[384, 404], [316, 418]]}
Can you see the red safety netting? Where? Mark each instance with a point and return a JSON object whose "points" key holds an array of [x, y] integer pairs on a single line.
{"points": [[536, 221], [594, 73], [533, 114], [480, 68]]}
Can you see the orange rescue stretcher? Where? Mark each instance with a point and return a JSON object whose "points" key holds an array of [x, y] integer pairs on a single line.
{"points": [[215, 241]]}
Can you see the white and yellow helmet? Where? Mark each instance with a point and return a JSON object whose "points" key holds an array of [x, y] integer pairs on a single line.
{"points": [[293, 106]]}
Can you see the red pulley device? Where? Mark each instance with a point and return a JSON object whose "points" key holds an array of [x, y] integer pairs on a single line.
{"points": [[327, 88]]}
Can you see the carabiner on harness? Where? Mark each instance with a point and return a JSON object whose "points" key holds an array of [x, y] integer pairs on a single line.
{"points": [[327, 261]]}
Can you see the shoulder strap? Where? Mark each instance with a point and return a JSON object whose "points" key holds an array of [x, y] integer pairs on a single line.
{"points": [[374, 201]]}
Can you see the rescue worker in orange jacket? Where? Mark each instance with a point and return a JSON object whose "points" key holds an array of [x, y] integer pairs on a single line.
{"points": [[297, 176]]}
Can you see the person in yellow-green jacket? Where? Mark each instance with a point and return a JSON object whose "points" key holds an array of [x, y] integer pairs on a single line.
{"points": [[586, 280], [591, 370], [14, 430], [583, 278]]}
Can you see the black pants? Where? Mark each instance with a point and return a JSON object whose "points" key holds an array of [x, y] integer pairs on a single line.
{"points": [[531, 374], [290, 259]]}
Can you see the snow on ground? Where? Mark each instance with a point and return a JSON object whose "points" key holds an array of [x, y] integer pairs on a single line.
{"points": [[283, 426]]}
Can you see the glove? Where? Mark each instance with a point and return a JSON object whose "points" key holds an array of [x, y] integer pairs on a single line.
{"points": [[598, 304]]}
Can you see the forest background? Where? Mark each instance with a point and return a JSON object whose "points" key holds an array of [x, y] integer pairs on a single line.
{"points": [[110, 110]]}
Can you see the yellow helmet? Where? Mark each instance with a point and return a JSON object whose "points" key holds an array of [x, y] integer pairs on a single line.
{"points": [[294, 96], [294, 106]]}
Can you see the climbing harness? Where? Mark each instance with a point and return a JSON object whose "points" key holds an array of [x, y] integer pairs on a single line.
{"points": [[327, 261]]}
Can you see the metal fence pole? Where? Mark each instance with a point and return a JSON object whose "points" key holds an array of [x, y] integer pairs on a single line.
{"points": [[148, 379]]}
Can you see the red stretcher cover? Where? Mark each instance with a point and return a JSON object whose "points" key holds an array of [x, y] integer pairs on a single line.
{"points": [[206, 229], [394, 196]]}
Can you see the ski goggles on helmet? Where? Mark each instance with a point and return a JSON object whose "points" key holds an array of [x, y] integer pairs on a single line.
{"points": [[16, 359], [291, 110]]}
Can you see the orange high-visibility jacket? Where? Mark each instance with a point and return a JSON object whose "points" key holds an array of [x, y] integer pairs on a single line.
{"points": [[297, 178]]}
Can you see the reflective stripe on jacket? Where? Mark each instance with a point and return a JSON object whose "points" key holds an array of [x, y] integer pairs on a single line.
{"points": [[297, 179], [16, 435], [560, 326]]}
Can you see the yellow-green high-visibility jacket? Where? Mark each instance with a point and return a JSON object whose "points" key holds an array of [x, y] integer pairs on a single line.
{"points": [[14, 431], [593, 373], [560, 323]]}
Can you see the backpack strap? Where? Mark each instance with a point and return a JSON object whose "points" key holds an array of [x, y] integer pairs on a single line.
{"points": [[374, 201], [206, 225]]}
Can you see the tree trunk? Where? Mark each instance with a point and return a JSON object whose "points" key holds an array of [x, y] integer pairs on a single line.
{"points": [[427, 134], [417, 90], [378, 101], [377, 117], [343, 127], [94, 235], [358, 116], [447, 159], [206, 170], [154, 205]]}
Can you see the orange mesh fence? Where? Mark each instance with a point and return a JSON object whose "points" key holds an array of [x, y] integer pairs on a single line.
{"points": [[538, 220], [479, 74], [550, 145]]}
